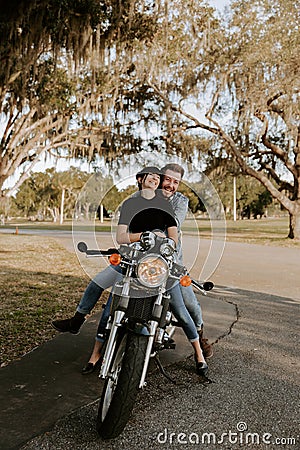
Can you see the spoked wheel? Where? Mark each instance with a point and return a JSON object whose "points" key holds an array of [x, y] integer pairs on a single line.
{"points": [[121, 387]]}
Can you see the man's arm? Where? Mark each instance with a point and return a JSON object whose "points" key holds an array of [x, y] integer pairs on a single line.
{"points": [[180, 203], [124, 237]]}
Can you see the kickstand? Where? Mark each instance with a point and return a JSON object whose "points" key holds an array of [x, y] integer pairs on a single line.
{"points": [[159, 364]]}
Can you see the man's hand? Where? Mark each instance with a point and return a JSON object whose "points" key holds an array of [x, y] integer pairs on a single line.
{"points": [[147, 239]]}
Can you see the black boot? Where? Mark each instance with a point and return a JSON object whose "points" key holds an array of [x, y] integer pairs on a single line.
{"points": [[72, 325]]}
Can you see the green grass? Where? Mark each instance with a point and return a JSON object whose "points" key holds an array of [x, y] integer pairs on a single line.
{"points": [[270, 230], [266, 231], [40, 281], [66, 226]]}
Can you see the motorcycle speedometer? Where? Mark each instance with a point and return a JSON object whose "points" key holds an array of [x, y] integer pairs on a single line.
{"points": [[167, 248], [152, 271]]}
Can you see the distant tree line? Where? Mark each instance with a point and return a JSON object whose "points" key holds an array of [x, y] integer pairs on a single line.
{"points": [[53, 195]]}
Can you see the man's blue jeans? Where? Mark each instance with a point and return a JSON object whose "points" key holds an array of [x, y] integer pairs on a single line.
{"points": [[192, 305], [100, 336]]}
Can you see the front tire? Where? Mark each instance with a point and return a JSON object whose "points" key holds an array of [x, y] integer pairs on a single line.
{"points": [[121, 388]]}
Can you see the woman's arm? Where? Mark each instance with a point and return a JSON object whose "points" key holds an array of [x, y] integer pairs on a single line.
{"points": [[124, 237]]}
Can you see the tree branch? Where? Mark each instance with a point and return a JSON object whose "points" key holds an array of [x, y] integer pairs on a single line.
{"points": [[181, 111], [275, 149]]}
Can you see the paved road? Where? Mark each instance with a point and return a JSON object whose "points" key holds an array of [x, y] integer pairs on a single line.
{"points": [[46, 384], [268, 269], [261, 268]]}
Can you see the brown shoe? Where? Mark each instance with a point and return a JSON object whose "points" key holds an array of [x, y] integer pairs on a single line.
{"points": [[206, 348]]}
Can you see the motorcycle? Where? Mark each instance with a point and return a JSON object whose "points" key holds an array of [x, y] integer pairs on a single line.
{"points": [[140, 324]]}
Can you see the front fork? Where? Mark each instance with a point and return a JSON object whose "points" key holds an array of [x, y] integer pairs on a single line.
{"points": [[118, 316], [157, 312], [117, 322], [152, 332], [111, 344]]}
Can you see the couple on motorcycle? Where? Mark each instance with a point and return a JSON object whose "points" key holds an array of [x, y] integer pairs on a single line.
{"points": [[149, 209]]}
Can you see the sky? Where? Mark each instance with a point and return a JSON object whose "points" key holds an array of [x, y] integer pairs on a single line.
{"points": [[219, 4]]}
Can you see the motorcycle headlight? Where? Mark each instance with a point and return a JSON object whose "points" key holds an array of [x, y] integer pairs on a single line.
{"points": [[152, 271]]}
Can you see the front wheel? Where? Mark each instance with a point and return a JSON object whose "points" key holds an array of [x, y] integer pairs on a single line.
{"points": [[121, 387]]}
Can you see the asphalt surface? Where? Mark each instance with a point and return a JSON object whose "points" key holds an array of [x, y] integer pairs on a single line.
{"points": [[253, 401]]}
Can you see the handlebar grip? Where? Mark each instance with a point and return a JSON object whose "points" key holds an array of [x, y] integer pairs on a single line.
{"points": [[206, 286], [108, 252], [82, 247], [197, 285]]}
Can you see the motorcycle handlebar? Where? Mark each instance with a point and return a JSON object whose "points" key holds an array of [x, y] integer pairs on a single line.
{"points": [[204, 287], [82, 247]]}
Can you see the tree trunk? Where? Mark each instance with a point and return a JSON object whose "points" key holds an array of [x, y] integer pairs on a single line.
{"points": [[87, 210], [54, 213], [294, 227], [62, 204]]}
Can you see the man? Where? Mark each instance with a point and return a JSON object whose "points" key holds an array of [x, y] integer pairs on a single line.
{"points": [[172, 176]]}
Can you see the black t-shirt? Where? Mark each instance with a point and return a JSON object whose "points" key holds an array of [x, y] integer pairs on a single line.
{"points": [[142, 215]]}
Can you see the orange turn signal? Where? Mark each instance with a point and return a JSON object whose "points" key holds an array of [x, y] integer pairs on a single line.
{"points": [[115, 259], [185, 281]]}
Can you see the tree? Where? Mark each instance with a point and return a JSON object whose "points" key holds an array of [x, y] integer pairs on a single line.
{"points": [[63, 68], [50, 192], [241, 77], [252, 198], [231, 86], [93, 194]]}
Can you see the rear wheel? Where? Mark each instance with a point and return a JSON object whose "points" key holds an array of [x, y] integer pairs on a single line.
{"points": [[121, 388]]}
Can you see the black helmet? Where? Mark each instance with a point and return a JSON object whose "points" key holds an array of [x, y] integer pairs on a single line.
{"points": [[148, 169]]}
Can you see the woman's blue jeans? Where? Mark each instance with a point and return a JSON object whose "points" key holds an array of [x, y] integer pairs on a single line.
{"points": [[103, 280]]}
